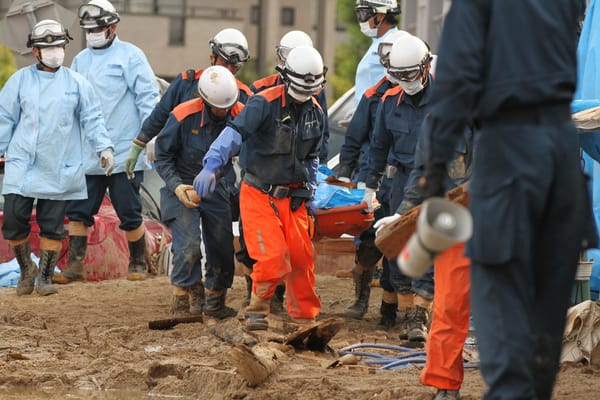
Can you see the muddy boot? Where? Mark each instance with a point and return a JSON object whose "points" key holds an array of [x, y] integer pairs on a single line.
{"points": [[137, 260], [256, 313], [28, 269], [197, 299], [418, 320], [362, 292], [48, 260], [215, 305], [405, 304], [74, 271], [446, 394], [248, 290], [180, 305], [277, 306], [388, 315]]}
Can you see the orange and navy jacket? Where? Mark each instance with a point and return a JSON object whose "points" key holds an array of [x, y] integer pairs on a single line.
{"points": [[184, 87], [279, 136], [185, 139], [274, 80]]}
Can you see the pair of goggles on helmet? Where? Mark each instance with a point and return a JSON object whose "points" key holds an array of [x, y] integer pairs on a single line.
{"points": [[304, 77], [282, 52], [91, 11], [408, 74], [383, 51], [49, 38], [236, 58], [364, 13]]}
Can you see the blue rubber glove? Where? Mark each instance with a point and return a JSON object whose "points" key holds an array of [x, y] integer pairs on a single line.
{"points": [[205, 182]]}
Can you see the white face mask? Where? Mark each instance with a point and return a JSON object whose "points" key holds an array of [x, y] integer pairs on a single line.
{"points": [[96, 40], [366, 29], [411, 88], [299, 97], [52, 57]]}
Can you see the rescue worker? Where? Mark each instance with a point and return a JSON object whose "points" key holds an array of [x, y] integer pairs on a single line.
{"points": [[229, 48], [392, 153], [528, 198], [281, 129], [46, 112], [377, 19], [358, 136], [180, 148], [450, 319], [125, 84], [287, 42]]}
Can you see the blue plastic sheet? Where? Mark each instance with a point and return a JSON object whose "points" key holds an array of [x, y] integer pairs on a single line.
{"points": [[9, 271], [331, 196]]}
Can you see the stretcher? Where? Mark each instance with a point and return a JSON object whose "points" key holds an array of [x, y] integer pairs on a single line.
{"points": [[345, 220]]}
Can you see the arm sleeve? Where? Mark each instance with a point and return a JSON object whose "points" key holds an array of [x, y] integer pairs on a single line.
{"points": [[166, 149], [379, 147], [10, 110], [356, 136], [312, 165], [324, 150], [225, 146], [142, 83]]}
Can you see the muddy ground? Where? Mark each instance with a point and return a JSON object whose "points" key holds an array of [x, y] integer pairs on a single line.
{"points": [[92, 341]]}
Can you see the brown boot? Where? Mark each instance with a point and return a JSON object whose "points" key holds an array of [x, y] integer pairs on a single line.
{"points": [[28, 268], [180, 305], [405, 303], [197, 298], [419, 319], [256, 313], [75, 267]]}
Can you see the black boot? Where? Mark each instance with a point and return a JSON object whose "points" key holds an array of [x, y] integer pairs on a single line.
{"points": [[388, 315], [362, 292], [28, 269], [277, 300], [48, 260], [248, 290], [74, 271], [137, 259], [215, 305]]}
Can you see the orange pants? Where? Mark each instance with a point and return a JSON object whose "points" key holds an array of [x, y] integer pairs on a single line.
{"points": [[278, 240], [450, 323]]}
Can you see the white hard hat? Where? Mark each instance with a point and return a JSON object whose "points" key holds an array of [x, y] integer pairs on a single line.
{"points": [[231, 45], [366, 9], [303, 70], [385, 46], [408, 58], [97, 14], [48, 33], [218, 87], [291, 40]]}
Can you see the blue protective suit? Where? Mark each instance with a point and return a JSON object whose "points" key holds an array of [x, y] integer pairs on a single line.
{"points": [[125, 84], [46, 119], [369, 69]]}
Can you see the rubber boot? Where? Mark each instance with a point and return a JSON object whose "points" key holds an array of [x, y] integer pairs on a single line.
{"points": [[388, 310], [256, 313], [405, 305], [419, 319], [197, 298], [137, 260], [362, 292], [277, 299], [48, 260], [248, 290], [180, 304], [28, 268], [215, 305], [74, 271]]}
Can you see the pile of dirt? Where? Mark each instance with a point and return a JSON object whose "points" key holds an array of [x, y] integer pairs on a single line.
{"points": [[92, 341]]}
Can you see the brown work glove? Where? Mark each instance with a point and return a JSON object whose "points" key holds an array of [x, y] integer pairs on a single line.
{"points": [[181, 193]]}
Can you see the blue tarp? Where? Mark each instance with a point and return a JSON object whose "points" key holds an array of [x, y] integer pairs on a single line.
{"points": [[9, 272], [331, 196]]}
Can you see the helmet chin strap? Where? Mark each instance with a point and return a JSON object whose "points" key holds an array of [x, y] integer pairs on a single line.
{"points": [[377, 23]]}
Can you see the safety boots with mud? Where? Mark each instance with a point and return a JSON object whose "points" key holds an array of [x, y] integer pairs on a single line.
{"points": [[137, 259], [362, 292], [215, 305], [256, 313], [27, 267], [75, 267], [277, 301], [196, 298], [48, 260]]}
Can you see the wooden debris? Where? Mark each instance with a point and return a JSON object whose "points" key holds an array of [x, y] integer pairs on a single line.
{"points": [[315, 336], [255, 364]]}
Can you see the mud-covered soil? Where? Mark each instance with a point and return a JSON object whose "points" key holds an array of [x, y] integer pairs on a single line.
{"points": [[92, 341]]}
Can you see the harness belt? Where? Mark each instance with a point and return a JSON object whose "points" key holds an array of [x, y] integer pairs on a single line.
{"points": [[278, 191]]}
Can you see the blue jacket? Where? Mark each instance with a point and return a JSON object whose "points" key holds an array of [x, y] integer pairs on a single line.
{"points": [[274, 80], [183, 88], [125, 84], [396, 131], [360, 132], [46, 119]]}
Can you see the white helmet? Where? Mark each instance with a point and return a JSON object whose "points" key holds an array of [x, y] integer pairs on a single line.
{"points": [[218, 87], [97, 14], [289, 41], [48, 33], [366, 9], [385, 46], [231, 45], [408, 58], [303, 72]]}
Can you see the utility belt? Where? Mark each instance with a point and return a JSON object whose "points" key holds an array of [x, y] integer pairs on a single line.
{"points": [[541, 114], [390, 170], [298, 190]]}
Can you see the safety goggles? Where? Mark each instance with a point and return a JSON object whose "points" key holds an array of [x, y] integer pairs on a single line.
{"points": [[383, 51], [282, 52], [406, 74], [49, 38], [91, 11], [235, 58], [363, 13]]}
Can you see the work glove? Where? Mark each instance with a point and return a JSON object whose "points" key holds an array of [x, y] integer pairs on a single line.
{"points": [[107, 161], [205, 182], [432, 181], [181, 193], [343, 179], [131, 160], [369, 199], [150, 154], [386, 221]]}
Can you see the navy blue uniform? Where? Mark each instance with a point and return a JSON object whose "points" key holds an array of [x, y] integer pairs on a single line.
{"points": [[511, 65], [399, 118], [180, 148]]}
